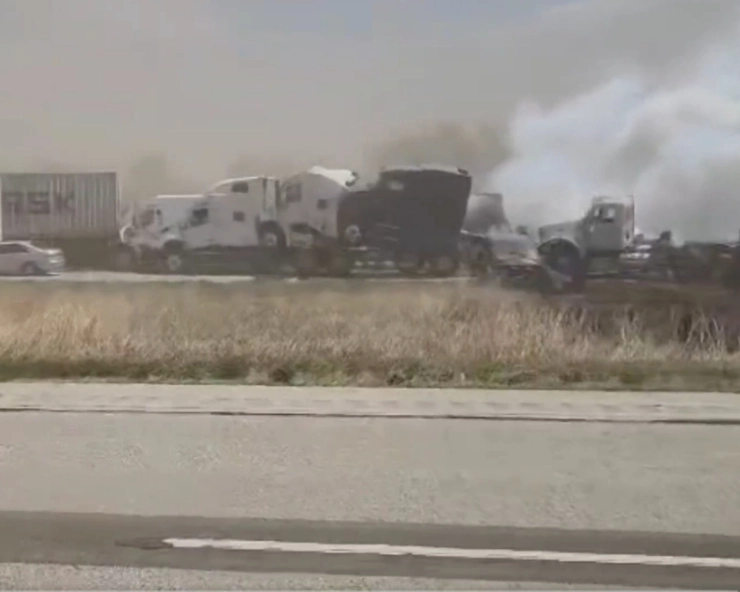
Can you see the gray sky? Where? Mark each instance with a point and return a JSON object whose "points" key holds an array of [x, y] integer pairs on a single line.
{"points": [[96, 83]]}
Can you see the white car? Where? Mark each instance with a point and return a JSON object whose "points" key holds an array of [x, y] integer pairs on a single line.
{"points": [[24, 258]]}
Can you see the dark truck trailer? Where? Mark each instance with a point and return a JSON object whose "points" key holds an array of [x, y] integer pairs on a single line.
{"points": [[75, 212], [411, 215]]}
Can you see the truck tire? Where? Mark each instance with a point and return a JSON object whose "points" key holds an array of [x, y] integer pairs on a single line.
{"points": [[543, 281], [567, 261], [271, 236], [306, 263], [445, 265], [174, 263], [340, 264], [409, 264], [123, 259], [272, 245], [479, 259], [173, 260]]}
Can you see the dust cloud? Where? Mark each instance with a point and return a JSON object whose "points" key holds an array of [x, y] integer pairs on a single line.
{"points": [[176, 94]]}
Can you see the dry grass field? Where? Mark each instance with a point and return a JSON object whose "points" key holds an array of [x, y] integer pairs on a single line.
{"points": [[363, 334]]}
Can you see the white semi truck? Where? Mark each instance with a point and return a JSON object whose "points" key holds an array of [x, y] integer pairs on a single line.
{"points": [[310, 215], [226, 226], [252, 223], [321, 221], [151, 223]]}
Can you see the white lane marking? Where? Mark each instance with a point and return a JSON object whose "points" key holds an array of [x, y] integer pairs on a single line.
{"points": [[455, 553]]}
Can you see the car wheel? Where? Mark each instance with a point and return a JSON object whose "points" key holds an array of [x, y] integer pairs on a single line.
{"points": [[29, 269]]}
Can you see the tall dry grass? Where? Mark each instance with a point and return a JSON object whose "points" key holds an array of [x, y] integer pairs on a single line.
{"points": [[366, 334]]}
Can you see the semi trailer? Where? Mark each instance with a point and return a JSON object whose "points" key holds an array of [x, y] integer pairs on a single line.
{"points": [[78, 213]]}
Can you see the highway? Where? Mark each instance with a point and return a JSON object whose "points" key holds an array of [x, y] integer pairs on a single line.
{"points": [[373, 489], [121, 277]]}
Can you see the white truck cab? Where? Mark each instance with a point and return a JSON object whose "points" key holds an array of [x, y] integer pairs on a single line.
{"points": [[230, 216], [310, 201], [259, 194], [232, 213], [152, 224], [158, 215]]}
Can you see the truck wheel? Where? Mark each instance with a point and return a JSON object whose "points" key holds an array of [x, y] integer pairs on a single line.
{"points": [[409, 264], [272, 248], [543, 281], [568, 264], [173, 262], [479, 259], [124, 260], [172, 258], [445, 265], [306, 263], [340, 264], [271, 237]]}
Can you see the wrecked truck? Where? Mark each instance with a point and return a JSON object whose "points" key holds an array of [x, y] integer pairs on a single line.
{"points": [[693, 262], [592, 245], [696, 262], [605, 243], [410, 215]]}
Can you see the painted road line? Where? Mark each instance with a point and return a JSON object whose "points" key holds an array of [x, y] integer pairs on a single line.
{"points": [[455, 553]]}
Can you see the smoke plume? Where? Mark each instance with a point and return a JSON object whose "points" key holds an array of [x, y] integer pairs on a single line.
{"points": [[673, 144]]}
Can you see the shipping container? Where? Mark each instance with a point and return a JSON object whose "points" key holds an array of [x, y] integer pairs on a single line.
{"points": [[59, 206]]}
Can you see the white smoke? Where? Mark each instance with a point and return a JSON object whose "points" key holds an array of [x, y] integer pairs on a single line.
{"points": [[674, 146]]}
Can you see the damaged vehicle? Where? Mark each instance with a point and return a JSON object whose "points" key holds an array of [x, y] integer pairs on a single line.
{"points": [[491, 249], [649, 257], [706, 262], [410, 215], [591, 246], [691, 262], [509, 258]]}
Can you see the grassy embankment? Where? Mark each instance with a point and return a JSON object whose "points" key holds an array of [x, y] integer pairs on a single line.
{"points": [[362, 334]]}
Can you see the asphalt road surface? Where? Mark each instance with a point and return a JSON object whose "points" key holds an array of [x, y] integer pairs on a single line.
{"points": [[370, 549], [330, 501]]}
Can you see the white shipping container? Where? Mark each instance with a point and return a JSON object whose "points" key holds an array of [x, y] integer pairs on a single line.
{"points": [[54, 206]]}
